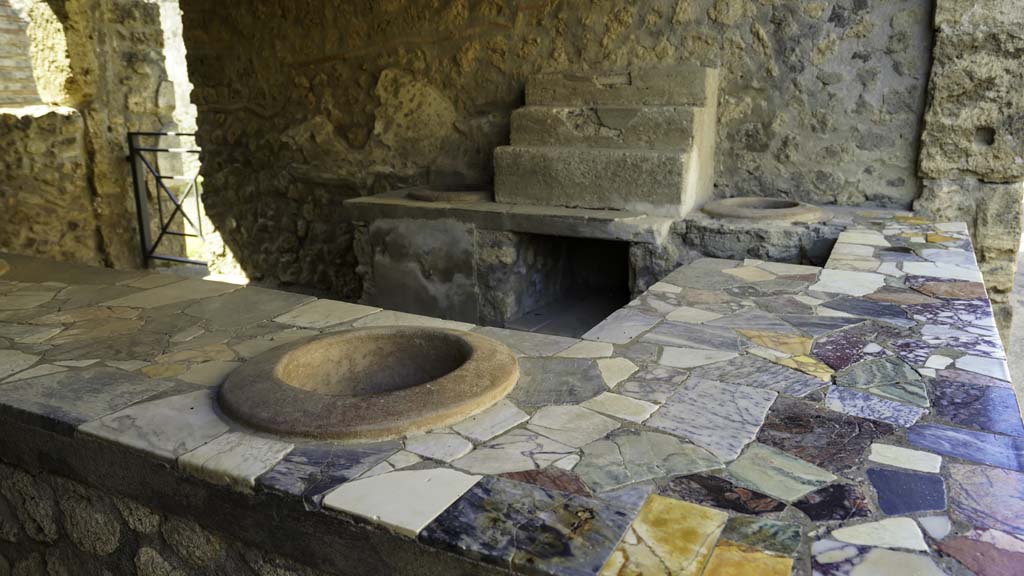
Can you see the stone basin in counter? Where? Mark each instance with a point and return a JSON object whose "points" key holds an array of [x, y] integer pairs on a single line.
{"points": [[737, 418]]}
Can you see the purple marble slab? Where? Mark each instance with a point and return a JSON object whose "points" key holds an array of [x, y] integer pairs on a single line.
{"points": [[857, 403], [987, 497], [984, 407], [982, 447]]}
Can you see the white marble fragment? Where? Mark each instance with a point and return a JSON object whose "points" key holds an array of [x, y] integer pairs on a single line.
{"points": [[905, 458], [622, 407], [323, 313], [938, 527], [491, 422], [691, 357], [403, 500], [234, 459], [888, 533], [587, 349], [439, 446], [571, 425], [848, 282], [615, 370], [692, 315]]}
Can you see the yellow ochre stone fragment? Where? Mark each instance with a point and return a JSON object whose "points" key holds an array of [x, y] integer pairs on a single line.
{"points": [[940, 238], [731, 559], [788, 343], [4, 267], [808, 365], [164, 370], [912, 220], [668, 537]]}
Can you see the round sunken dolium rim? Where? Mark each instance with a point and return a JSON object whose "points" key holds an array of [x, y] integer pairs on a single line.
{"points": [[760, 208], [254, 396]]}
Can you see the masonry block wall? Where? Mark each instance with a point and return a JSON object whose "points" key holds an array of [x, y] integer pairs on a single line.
{"points": [[304, 104], [101, 63]]}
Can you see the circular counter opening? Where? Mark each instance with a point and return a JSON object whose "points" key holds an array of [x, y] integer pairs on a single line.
{"points": [[759, 208], [370, 383]]}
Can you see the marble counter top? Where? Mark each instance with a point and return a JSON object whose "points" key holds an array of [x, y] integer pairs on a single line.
{"points": [[737, 418]]}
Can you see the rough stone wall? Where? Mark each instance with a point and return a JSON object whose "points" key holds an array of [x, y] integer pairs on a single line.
{"points": [[52, 526], [103, 59], [972, 147], [44, 208], [303, 104]]}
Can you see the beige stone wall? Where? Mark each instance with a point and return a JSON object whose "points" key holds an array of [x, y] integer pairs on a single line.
{"points": [[972, 146], [303, 104], [45, 210], [102, 58]]}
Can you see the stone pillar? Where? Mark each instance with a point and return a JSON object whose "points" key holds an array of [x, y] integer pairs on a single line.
{"points": [[972, 147]]}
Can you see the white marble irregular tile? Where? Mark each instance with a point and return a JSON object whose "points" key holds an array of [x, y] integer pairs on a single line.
{"points": [[721, 418], [750, 273], [691, 357], [41, 370], [323, 313], [951, 256], [848, 282], [777, 473], [951, 226], [752, 261], [665, 287], [12, 361], [994, 367], [929, 372], [872, 561], [127, 365], [767, 353], [615, 370], [147, 281], [188, 289], [865, 237], [905, 458], [854, 264], [623, 325], [210, 373], [854, 251], [834, 313], [404, 500], [567, 463], [165, 428], [392, 318], [397, 461], [514, 451], [77, 363], [888, 533], [786, 269], [809, 300], [28, 334], [938, 527], [188, 334], [692, 315], [256, 346], [588, 349], [499, 418], [942, 271], [622, 407], [571, 425], [439, 446], [891, 269], [938, 361], [234, 459]]}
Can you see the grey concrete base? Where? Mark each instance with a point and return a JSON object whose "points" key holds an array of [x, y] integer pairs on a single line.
{"points": [[682, 85], [606, 126]]}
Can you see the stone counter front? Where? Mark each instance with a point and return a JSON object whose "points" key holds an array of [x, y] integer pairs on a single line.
{"points": [[737, 418]]}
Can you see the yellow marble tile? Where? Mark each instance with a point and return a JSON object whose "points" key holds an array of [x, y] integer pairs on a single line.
{"points": [[731, 559], [163, 370], [940, 238], [788, 343], [808, 365], [912, 220], [668, 537]]}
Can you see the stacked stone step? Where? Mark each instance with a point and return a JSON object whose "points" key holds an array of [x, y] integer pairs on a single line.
{"points": [[640, 141], [17, 85]]}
